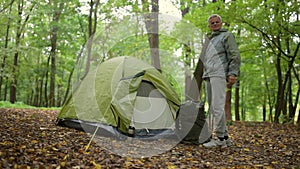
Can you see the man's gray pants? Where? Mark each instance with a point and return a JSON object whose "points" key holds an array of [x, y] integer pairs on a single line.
{"points": [[216, 95]]}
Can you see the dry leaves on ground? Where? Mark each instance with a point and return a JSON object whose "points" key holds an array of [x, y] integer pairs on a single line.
{"points": [[29, 138]]}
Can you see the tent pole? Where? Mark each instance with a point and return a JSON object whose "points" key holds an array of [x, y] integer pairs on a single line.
{"points": [[88, 145]]}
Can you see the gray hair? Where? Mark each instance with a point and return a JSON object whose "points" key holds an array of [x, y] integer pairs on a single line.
{"points": [[214, 15]]}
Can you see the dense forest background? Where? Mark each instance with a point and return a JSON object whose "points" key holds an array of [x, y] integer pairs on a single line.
{"points": [[44, 42]]}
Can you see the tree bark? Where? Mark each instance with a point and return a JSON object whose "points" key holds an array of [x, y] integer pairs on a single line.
{"points": [[298, 120], [151, 22], [190, 86], [35, 93], [41, 91], [228, 103], [298, 93], [92, 29], [46, 83], [20, 30], [53, 52], [237, 101], [13, 87], [194, 90], [5, 56]]}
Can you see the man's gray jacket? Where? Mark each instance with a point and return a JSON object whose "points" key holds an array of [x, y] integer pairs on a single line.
{"points": [[221, 57]]}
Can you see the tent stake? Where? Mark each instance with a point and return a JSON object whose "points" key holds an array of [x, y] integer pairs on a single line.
{"points": [[88, 146]]}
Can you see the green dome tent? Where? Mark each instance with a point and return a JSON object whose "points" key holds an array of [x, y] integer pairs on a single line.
{"points": [[122, 94]]}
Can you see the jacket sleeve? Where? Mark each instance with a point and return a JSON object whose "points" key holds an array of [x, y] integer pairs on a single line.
{"points": [[233, 55]]}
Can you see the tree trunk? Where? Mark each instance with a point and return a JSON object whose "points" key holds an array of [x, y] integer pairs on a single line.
{"points": [[237, 101], [194, 90], [53, 71], [187, 74], [297, 95], [228, 103], [189, 89], [243, 115], [271, 114], [291, 115], [193, 83], [2, 69], [58, 102], [298, 120], [71, 75], [36, 93], [281, 99], [53, 35], [5, 88], [20, 29], [264, 111], [13, 87], [151, 22], [46, 83], [41, 91], [92, 29], [90, 40], [280, 90]]}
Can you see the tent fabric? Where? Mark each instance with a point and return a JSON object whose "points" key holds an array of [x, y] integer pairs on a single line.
{"points": [[117, 92]]}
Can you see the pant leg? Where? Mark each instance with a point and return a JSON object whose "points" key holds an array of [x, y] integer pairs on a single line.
{"points": [[217, 105]]}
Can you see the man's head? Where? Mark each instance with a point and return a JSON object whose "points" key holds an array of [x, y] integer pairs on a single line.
{"points": [[215, 22]]}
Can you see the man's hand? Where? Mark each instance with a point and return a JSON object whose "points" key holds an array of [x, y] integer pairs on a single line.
{"points": [[231, 79]]}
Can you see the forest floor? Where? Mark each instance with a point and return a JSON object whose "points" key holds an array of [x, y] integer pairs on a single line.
{"points": [[29, 138]]}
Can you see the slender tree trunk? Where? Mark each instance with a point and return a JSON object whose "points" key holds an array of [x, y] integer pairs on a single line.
{"points": [[41, 91], [77, 60], [264, 111], [53, 52], [237, 101], [187, 74], [271, 114], [189, 91], [68, 87], [71, 75], [298, 120], [36, 93], [281, 99], [151, 22], [90, 39], [297, 95], [154, 40], [13, 87], [2, 69], [289, 98], [58, 102], [46, 83], [92, 19], [20, 29], [53, 71], [228, 103], [5, 88], [194, 91], [243, 114], [280, 89]]}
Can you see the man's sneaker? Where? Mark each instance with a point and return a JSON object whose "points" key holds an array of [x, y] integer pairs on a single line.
{"points": [[228, 142], [215, 143]]}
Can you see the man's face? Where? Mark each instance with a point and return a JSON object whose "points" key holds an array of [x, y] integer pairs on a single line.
{"points": [[215, 24]]}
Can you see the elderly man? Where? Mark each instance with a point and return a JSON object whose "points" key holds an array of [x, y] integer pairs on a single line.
{"points": [[221, 63]]}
